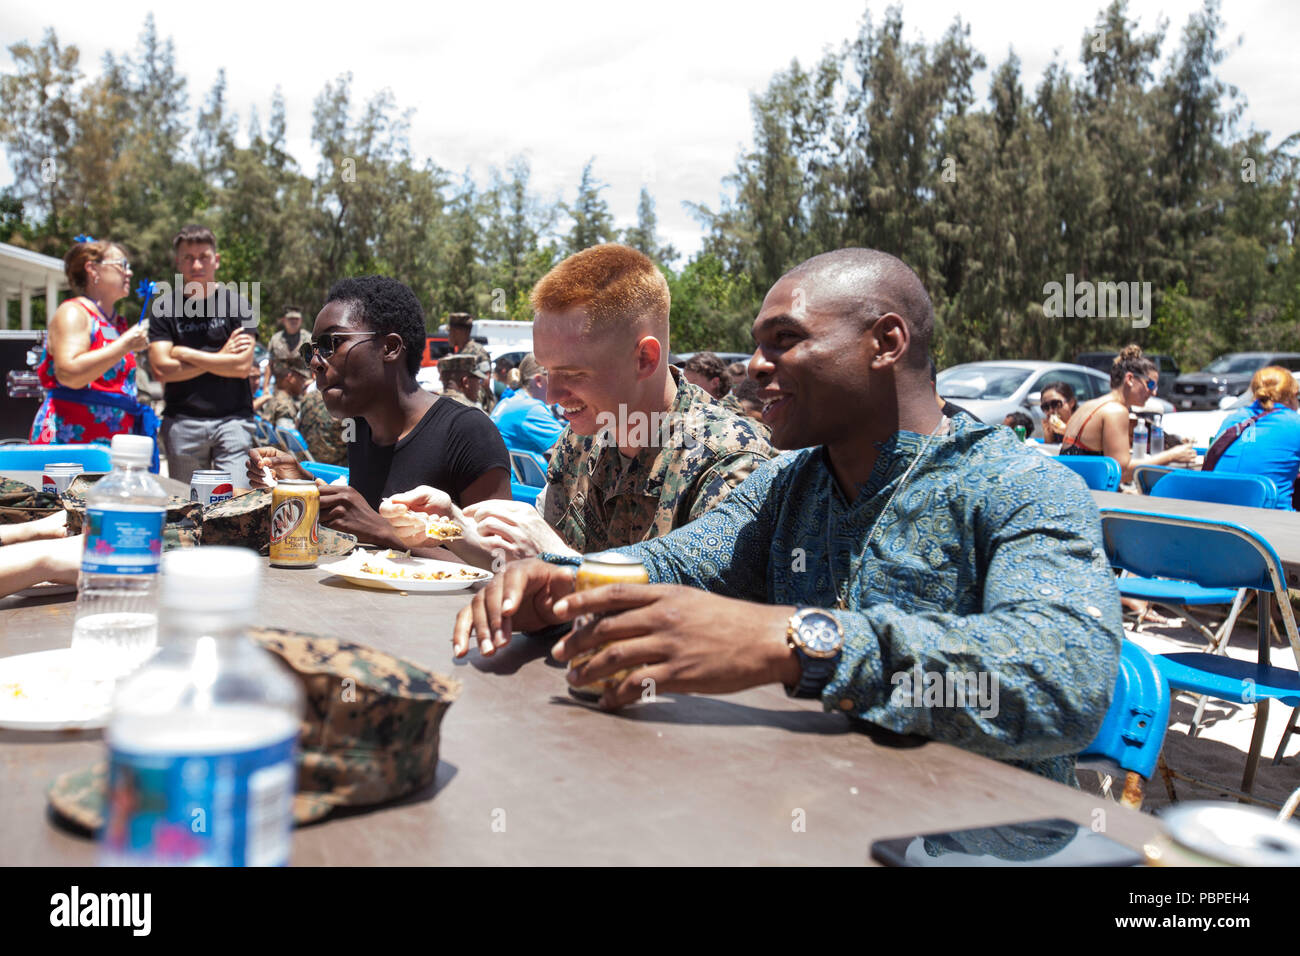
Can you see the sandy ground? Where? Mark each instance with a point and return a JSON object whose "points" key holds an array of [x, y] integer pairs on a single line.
{"points": [[1218, 751]]}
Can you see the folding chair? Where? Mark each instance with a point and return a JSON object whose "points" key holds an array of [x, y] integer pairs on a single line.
{"points": [[1133, 732], [265, 432], [1248, 491], [1099, 472], [294, 443], [1145, 476], [1216, 555]]}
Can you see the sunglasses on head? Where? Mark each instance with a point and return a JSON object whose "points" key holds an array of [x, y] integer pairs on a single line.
{"points": [[325, 345]]}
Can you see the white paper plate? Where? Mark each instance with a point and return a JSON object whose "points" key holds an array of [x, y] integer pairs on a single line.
{"points": [[47, 691], [350, 569], [1232, 833]]}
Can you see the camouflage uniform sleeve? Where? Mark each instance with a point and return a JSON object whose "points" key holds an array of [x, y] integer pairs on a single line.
{"points": [[323, 434], [558, 480], [716, 483], [277, 408]]}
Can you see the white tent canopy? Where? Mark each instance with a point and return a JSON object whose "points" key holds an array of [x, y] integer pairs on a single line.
{"points": [[24, 273]]}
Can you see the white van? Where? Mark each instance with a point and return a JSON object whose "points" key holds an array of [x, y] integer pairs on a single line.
{"points": [[503, 335]]}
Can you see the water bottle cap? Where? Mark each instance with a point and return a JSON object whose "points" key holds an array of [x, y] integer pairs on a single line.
{"points": [[211, 579], [132, 449]]}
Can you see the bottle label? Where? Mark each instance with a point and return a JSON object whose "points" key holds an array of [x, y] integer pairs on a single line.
{"points": [[229, 809], [123, 542]]}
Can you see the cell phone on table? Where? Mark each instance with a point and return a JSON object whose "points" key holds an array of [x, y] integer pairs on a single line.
{"points": [[1051, 842]]}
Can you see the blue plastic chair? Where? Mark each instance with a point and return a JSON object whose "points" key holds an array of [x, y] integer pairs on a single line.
{"points": [[1145, 476], [265, 432], [1249, 491], [294, 443], [1218, 555], [36, 457], [529, 468], [1133, 732], [327, 473], [1099, 472]]}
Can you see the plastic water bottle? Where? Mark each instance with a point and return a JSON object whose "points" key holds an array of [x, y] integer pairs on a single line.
{"points": [[1156, 441], [116, 626], [202, 738], [1140, 438]]}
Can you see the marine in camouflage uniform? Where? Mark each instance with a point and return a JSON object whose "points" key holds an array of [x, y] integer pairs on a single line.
{"points": [[279, 350], [324, 435], [451, 369], [483, 361], [281, 405], [595, 503]]}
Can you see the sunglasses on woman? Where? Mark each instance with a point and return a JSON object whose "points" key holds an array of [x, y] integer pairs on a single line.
{"points": [[1052, 405], [325, 345]]}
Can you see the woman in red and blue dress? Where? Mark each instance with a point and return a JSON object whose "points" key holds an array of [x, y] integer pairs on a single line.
{"points": [[89, 362]]}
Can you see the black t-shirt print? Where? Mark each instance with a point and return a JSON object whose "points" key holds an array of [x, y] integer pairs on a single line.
{"points": [[448, 449], [206, 395]]}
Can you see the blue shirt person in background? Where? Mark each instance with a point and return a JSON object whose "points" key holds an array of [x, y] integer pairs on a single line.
{"points": [[1271, 446], [524, 419], [927, 550]]}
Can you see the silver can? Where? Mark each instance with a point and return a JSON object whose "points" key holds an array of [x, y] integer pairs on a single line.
{"points": [[210, 486], [56, 476]]}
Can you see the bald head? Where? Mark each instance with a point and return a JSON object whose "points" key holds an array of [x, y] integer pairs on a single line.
{"points": [[866, 284]]}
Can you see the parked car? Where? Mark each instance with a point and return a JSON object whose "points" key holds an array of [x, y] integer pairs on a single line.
{"points": [[1165, 364], [1227, 377], [1201, 427], [992, 390]]}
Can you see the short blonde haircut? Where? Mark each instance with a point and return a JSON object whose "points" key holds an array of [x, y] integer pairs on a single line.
{"points": [[616, 286], [1274, 384]]}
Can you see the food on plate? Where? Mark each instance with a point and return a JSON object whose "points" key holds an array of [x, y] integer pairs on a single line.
{"points": [[442, 528], [462, 574]]}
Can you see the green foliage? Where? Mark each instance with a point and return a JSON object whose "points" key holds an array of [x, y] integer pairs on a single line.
{"points": [[1108, 172]]}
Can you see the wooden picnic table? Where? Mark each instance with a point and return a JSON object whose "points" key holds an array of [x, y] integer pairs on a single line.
{"points": [[748, 778]]}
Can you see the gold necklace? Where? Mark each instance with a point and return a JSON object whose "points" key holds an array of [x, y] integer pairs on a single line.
{"points": [[841, 602]]}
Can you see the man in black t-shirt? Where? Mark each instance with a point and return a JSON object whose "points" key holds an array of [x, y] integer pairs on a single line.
{"points": [[203, 354], [368, 340]]}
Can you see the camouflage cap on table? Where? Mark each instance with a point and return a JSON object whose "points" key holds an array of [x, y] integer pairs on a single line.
{"points": [[180, 528], [370, 733], [245, 521], [21, 502]]}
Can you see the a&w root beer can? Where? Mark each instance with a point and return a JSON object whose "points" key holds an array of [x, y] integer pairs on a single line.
{"points": [[295, 528]]}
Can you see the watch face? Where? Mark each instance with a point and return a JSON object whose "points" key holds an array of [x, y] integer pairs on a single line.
{"points": [[820, 634]]}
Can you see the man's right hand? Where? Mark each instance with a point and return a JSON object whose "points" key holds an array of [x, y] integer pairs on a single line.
{"points": [[281, 463], [239, 342], [520, 596]]}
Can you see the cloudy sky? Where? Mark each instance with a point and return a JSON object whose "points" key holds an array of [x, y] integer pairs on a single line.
{"points": [[657, 93]]}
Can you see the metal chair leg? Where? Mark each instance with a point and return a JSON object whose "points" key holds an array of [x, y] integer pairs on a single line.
{"points": [[1256, 745], [1288, 808], [1168, 778], [1292, 725], [1132, 796]]}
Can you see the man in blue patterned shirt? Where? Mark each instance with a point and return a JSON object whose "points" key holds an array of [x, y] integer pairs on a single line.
{"points": [[927, 574]]}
